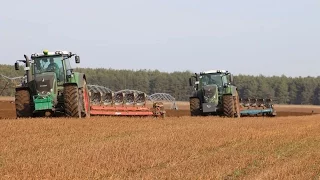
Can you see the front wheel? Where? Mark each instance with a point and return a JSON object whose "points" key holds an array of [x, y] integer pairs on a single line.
{"points": [[229, 108], [195, 107]]}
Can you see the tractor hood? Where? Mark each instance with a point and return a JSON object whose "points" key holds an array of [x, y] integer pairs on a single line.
{"points": [[45, 83], [210, 94]]}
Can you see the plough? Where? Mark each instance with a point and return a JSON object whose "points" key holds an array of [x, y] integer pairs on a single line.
{"points": [[256, 107], [104, 101]]}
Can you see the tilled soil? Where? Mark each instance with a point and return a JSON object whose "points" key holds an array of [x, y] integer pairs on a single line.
{"points": [[7, 110]]}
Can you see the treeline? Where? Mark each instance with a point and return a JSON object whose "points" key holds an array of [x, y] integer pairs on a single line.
{"points": [[148, 81], [284, 90]]}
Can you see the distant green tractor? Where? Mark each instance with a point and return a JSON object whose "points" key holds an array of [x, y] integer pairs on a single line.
{"points": [[214, 94], [50, 87]]}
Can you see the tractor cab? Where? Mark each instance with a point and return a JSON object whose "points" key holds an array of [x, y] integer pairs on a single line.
{"points": [[220, 78], [57, 63], [45, 65], [42, 63]]}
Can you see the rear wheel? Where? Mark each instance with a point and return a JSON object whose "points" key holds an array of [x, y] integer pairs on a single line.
{"points": [[229, 108], [195, 107], [71, 101], [23, 103]]}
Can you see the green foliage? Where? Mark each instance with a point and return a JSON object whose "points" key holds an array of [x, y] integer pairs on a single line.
{"points": [[286, 90]]}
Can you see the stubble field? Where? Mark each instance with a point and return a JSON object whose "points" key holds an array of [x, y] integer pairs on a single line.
{"points": [[177, 147]]}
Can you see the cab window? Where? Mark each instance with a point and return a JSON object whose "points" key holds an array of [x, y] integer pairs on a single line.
{"points": [[49, 64]]}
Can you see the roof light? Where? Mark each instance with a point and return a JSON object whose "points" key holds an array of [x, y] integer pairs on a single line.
{"points": [[45, 52], [58, 52]]}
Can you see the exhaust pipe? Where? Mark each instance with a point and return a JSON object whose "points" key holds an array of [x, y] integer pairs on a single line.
{"points": [[28, 72]]}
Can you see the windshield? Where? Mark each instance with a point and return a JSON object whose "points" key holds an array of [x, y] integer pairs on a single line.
{"points": [[49, 64], [210, 79]]}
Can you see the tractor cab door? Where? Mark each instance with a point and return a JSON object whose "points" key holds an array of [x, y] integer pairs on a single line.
{"points": [[225, 81], [60, 74], [68, 68]]}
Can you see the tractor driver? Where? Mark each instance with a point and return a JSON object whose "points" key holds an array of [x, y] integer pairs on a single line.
{"points": [[212, 81], [53, 67]]}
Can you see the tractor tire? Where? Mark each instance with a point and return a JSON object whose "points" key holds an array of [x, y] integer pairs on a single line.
{"points": [[85, 101], [195, 107], [229, 108], [71, 101], [23, 104]]}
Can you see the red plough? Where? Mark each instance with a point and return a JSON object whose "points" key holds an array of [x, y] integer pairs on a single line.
{"points": [[105, 102]]}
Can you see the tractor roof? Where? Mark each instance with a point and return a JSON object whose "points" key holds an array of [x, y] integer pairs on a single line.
{"points": [[50, 53], [214, 71]]}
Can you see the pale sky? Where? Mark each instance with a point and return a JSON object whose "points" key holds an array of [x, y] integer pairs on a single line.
{"points": [[268, 37]]}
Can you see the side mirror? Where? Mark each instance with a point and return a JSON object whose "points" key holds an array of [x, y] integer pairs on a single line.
{"points": [[196, 85], [16, 66], [77, 58]]}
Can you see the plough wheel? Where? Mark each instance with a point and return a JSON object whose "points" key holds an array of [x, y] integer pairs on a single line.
{"points": [[159, 109]]}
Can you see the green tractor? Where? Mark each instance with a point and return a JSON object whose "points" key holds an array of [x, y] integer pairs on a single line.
{"points": [[214, 94], [51, 88]]}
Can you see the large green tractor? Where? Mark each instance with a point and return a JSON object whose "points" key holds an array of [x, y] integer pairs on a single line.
{"points": [[214, 94], [51, 88]]}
